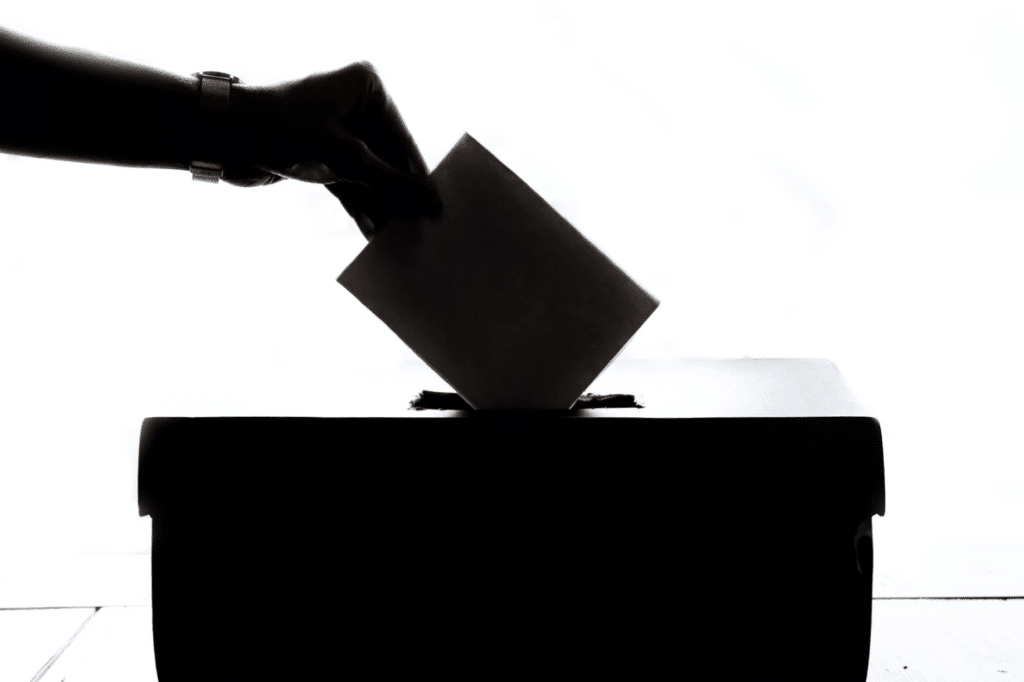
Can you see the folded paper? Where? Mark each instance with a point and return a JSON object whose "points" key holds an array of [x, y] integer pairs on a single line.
{"points": [[500, 295]]}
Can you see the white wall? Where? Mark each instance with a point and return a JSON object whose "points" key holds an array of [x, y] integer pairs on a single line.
{"points": [[790, 179]]}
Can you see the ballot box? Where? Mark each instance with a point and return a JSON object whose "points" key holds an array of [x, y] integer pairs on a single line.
{"points": [[718, 527]]}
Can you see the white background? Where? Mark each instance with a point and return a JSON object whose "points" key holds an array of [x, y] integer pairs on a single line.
{"points": [[839, 180]]}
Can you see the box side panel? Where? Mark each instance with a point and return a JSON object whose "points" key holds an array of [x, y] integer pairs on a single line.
{"points": [[486, 546]]}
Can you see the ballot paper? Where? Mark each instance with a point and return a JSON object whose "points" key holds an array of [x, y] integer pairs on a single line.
{"points": [[509, 303]]}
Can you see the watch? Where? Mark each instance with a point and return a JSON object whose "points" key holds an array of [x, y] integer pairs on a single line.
{"points": [[214, 96]]}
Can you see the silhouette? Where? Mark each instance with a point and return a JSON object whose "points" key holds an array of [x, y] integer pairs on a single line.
{"points": [[559, 546], [339, 129], [554, 547]]}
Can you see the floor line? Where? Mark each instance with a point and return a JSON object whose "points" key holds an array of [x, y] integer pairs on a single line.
{"points": [[907, 598], [53, 659], [45, 608]]}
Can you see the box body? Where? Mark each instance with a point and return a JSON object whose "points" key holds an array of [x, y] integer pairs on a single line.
{"points": [[511, 546]]}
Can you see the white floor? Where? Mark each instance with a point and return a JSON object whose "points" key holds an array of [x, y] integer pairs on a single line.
{"points": [[933, 640]]}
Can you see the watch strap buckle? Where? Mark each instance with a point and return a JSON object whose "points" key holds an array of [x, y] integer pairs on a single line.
{"points": [[203, 171]]}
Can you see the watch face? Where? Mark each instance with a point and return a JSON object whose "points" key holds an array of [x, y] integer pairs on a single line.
{"points": [[218, 74]]}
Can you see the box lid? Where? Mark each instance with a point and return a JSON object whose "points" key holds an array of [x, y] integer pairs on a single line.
{"points": [[708, 401]]}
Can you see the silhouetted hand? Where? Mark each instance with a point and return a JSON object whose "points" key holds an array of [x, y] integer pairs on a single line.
{"points": [[339, 129]]}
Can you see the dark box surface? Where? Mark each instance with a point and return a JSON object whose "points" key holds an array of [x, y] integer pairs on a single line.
{"points": [[508, 545]]}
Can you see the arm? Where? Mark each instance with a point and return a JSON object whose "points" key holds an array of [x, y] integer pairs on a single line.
{"points": [[339, 129], [72, 104]]}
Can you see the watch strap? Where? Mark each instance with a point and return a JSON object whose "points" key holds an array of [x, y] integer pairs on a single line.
{"points": [[214, 100]]}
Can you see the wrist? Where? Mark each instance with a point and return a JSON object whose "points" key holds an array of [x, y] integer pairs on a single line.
{"points": [[252, 120]]}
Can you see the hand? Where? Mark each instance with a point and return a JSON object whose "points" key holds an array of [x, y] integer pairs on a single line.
{"points": [[339, 129]]}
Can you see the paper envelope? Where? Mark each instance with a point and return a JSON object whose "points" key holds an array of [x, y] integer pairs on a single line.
{"points": [[498, 293]]}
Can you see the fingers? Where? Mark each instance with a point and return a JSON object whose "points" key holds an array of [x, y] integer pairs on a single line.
{"points": [[377, 191], [388, 188], [380, 124], [342, 129], [371, 209], [359, 204]]}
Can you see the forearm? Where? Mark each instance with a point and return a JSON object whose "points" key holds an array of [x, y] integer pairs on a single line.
{"points": [[72, 104]]}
